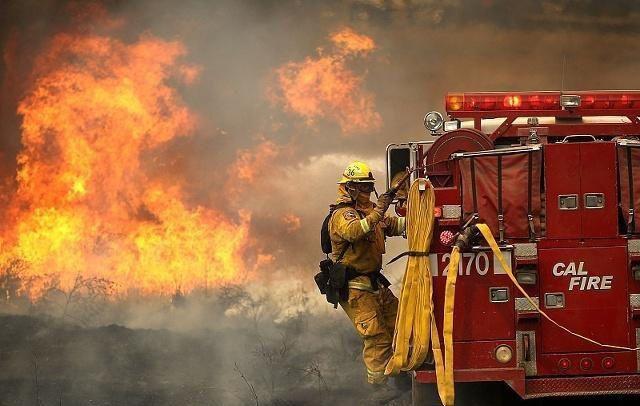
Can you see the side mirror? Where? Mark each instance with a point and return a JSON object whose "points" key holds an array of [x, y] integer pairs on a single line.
{"points": [[399, 158]]}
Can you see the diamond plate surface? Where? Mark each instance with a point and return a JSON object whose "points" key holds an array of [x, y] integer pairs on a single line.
{"points": [[634, 301], [634, 246], [451, 211], [524, 305], [582, 386], [530, 367], [526, 250]]}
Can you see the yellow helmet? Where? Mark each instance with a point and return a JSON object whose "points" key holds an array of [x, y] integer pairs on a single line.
{"points": [[358, 172]]}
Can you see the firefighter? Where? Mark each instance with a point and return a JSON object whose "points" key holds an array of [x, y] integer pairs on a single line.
{"points": [[358, 228]]}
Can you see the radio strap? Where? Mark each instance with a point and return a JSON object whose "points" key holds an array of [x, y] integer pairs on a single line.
{"points": [[532, 229], [631, 226], [410, 254], [500, 209], [472, 165]]}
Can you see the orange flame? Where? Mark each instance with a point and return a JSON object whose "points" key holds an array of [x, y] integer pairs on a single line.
{"points": [[85, 204], [292, 222], [325, 87], [250, 163]]}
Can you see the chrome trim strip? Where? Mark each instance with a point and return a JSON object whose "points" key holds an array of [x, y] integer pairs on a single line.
{"points": [[628, 143], [501, 151]]}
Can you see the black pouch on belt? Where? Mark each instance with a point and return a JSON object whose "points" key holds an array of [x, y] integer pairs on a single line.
{"points": [[332, 279], [322, 278]]}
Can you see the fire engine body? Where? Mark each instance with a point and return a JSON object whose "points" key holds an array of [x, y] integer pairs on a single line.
{"points": [[558, 182]]}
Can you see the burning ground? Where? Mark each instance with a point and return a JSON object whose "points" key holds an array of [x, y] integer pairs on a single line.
{"points": [[164, 170]]}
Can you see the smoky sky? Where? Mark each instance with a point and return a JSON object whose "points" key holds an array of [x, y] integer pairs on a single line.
{"points": [[424, 49]]}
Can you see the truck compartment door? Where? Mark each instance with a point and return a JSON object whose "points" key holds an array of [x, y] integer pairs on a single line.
{"points": [[562, 181], [598, 188], [585, 290]]}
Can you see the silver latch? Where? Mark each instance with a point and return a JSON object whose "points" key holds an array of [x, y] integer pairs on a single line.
{"points": [[498, 295], [594, 200], [568, 202], [554, 300]]}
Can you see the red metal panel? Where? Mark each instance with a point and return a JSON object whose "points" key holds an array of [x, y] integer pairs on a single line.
{"points": [[472, 303], [562, 177], [594, 284], [598, 175], [481, 354], [601, 242], [624, 362]]}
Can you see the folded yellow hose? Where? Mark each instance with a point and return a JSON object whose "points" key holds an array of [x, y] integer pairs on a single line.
{"points": [[416, 330], [413, 321]]}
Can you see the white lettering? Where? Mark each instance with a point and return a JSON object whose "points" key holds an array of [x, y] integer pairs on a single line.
{"points": [[557, 269], [433, 264], [606, 282], [580, 270], [445, 260], [575, 281], [593, 282], [469, 256], [485, 259], [580, 279]]}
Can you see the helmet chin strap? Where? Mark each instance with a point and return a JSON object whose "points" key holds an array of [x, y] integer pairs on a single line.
{"points": [[353, 192]]}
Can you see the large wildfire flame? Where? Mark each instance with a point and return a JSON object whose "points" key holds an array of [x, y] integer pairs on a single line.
{"points": [[86, 206], [325, 86]]}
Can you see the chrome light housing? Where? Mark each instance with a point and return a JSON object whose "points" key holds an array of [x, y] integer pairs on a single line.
{"points": [[433, 121], [570, 101], [452, 125]]}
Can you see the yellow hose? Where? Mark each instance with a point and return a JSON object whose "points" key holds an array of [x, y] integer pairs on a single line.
{"points": [[416, 330]]}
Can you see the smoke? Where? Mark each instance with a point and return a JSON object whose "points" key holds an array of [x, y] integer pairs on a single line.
{"points": [[271, 163]]}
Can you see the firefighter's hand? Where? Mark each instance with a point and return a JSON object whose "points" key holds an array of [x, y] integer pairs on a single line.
{"points": [[384, 201]]}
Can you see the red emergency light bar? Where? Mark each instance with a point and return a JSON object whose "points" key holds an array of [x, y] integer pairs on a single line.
{"points": [[544, 102]]}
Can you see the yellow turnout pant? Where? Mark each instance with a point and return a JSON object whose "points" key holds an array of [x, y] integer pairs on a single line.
{"points": [[373, 314]]}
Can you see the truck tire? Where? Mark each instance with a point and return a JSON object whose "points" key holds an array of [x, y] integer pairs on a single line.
{"points": [[467, 394], [424, 394]]}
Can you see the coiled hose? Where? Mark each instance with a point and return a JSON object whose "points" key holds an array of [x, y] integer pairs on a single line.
{"points": [[416, 332]]}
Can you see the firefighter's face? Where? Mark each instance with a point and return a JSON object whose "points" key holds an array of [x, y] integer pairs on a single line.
{"points": [[365, 188], [360, 192]]}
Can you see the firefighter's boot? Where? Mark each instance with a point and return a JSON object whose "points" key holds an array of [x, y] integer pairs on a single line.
{"points": [[382, 394]]}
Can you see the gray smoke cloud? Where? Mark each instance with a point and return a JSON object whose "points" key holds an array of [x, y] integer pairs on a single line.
{"points": [[275, 334]]}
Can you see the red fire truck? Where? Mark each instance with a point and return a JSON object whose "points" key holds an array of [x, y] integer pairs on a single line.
{"points": [[556, 176]]}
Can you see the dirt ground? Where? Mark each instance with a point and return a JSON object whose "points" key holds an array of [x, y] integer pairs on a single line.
{"points": [[46, 362]]}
